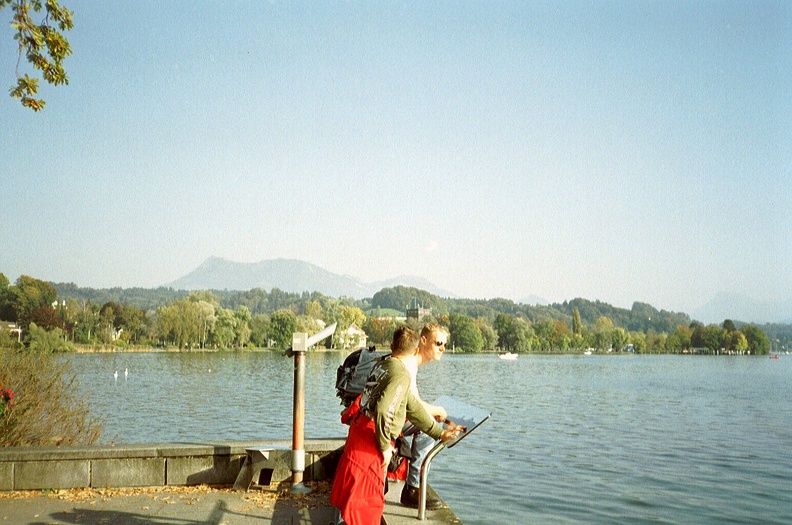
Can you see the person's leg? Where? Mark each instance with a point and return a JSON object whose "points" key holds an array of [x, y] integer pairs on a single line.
{"points": [[421, 445]]}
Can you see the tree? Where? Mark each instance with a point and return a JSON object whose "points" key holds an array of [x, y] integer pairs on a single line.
{"points": [[402, 297], [314, 310], [242, 329], [488, 335], [619, 338], [134, 322], [283, 324], [464, 334], [82, 316], [225, 327], [577, 324], [758, 342], [28, 294], [351, 315], [43, 45], [655, 342], [43, 340], [180, 323], [603, 328], [545, 333], [679, 340], [112, 313], [207, 319], [638, 340], [711, 337], [379, 330], [513, 333], [6, 309], [736, 342], [259, 329], [46, 317]]}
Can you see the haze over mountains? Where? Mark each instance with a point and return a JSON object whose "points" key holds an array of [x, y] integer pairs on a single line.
{"points": [[739, 307], [291, 275]]}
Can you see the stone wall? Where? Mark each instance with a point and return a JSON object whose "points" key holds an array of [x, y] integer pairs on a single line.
{"points": [[155, 464]]}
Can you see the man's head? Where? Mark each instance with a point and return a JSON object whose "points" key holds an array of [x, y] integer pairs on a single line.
{"points": [[405, 341], [433, 342]]}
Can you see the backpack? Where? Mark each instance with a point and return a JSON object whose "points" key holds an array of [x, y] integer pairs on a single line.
{"points": [[353, 373]]}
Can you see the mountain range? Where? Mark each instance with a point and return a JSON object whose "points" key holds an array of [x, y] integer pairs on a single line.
{"points": [[289, 275], [738, 307]]}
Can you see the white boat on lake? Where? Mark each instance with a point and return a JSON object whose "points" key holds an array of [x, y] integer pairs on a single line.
{"points": [[507, 355]]}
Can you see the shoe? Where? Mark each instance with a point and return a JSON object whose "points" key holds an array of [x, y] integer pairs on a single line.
{"points": [[410, 495]]}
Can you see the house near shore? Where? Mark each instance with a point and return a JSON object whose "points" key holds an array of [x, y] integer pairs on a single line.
{"points": [[352, 337], [12, 327]]}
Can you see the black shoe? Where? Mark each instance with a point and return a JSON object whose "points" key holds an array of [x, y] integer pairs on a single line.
{"points": [[410, 495]]}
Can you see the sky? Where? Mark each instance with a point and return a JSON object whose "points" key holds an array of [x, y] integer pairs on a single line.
{"points": [[614, 150]]}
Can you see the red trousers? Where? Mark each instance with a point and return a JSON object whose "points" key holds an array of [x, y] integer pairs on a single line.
{"points": [[359, 484]]}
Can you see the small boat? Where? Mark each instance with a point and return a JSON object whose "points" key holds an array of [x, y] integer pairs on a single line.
{"points": [[774, 356], [508, 355], [587, 352]]}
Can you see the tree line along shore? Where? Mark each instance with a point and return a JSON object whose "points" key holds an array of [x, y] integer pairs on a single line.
{"points": [[65, 317]]}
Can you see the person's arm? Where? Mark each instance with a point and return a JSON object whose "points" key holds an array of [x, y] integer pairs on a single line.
{"points": [[423, 421], [437, 412], [421, 417], [394, 390]]}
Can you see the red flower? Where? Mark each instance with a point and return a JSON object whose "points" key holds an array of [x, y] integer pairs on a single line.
{"points": [[7, 396]]}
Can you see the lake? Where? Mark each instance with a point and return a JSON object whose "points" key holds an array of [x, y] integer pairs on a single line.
{"points": [[572, 439]]}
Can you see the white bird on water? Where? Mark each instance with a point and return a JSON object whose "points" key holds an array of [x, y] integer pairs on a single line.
{"points": [[115, 375]]}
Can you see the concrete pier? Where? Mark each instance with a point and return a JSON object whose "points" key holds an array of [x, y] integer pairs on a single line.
{"points": [[175, 483]]}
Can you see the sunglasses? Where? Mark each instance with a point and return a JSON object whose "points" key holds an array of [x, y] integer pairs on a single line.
{"points": [[439, 343]]}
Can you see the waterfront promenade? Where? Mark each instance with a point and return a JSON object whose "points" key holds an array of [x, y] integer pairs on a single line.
{"points": [[197, 505], [175, 484]]}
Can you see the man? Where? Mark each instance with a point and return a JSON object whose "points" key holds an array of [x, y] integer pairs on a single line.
{"points": [[375, 420], [430, 348]]}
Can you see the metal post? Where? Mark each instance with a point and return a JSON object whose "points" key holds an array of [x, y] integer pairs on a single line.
{"points": [[425, 478], [300, 344]]}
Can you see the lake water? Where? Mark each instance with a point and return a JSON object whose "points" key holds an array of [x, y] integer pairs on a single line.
{"points": [[572, 439]]}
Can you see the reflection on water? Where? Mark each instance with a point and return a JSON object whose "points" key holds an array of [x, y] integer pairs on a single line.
{"points": [[572, 439]]}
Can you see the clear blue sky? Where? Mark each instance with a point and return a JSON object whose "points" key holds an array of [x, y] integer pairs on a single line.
{"points": [[610, 150]]}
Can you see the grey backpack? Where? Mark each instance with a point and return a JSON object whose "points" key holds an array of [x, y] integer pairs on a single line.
{"points": [[353, 373]]}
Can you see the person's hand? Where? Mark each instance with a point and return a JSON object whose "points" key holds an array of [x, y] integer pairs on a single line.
{"points": [[450, 425], [440, 414], [451, 433], [386, 457]]}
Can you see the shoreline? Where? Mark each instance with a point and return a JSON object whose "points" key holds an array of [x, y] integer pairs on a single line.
{"points": [[88, 349]]}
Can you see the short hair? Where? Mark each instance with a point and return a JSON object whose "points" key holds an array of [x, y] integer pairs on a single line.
{"points": [[432, 327], [405, 340]]}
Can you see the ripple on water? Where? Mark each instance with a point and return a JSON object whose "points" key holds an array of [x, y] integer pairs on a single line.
{"points": [[600, 440]]}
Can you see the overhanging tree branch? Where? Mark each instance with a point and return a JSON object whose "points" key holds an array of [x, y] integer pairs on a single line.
{"points": [[43, 45]]}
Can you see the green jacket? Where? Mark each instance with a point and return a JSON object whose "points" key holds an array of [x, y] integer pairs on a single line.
{"points": [[388, 399]]}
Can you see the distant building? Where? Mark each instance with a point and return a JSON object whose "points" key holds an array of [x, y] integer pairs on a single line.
{"points": [[352, 337], [418, 313]]}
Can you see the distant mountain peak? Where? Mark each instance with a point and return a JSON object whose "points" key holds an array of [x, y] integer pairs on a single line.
{"points": [[289, 275]]}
